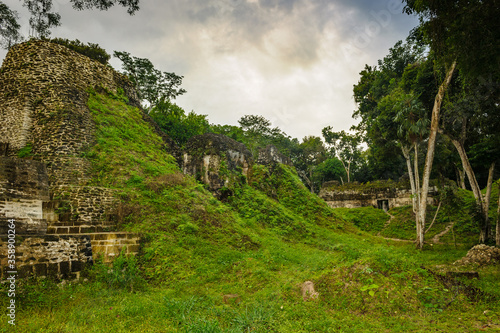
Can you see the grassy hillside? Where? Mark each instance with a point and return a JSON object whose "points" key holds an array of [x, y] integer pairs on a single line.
{"points": [[455, 223], [262, 245]]}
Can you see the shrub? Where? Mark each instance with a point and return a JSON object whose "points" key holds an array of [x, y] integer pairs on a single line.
{"points": [[91, 50]]}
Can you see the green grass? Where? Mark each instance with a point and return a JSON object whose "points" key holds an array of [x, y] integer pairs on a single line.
{"points": [[368, 219], [262, 244]]}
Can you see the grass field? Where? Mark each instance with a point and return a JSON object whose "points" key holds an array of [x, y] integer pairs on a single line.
{"points": [[261, 245]]}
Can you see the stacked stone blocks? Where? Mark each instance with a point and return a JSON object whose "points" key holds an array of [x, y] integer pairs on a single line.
{"points": [[43, 110]]}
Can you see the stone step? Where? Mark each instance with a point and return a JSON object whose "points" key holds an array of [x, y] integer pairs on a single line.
{"points": [[82, 229], [109, 245]]}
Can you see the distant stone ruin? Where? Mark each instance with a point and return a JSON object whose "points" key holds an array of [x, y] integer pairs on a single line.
{"points": [[271, 154], [381, 194], [217, 161]]}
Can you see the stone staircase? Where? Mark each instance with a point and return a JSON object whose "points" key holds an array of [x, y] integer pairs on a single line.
{"points": [[59, 229]]}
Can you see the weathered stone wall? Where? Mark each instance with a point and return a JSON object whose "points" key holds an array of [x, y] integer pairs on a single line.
{"points": [[43, 97], [59, 216], [385, 195], [81, 209], [110, 245], [271, 154], [24, 187], [217, 161], [50, 255]]}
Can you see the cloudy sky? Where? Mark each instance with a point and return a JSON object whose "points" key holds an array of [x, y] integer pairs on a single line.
{"points": [[292, 61]]}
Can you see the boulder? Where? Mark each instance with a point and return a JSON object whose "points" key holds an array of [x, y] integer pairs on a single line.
{"points": [[308, 291]]}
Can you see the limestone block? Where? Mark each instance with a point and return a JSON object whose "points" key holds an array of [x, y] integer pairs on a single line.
{"points": [[217, 161], [271, 154]]}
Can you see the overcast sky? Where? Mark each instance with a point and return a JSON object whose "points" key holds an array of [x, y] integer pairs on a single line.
{"points": [[292, 61]]}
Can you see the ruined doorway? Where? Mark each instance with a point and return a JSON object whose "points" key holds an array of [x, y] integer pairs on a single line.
{"points": [[383, 204]]}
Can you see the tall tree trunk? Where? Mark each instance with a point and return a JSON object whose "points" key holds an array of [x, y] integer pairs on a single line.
{"points": [[476, 190], [346, 168], [497, 236], [406, 154], [461, 177], [430, 156], [311, 180], [417, 173], [486, 227], [349, 170]]}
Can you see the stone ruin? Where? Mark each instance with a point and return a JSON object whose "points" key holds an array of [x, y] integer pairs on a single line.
{"points": [[218, 161], [271, 154], [61, 220], [481, 255], [381, 194]]}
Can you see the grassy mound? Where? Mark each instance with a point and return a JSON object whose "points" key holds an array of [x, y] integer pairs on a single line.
{"points": [[259, 246]]}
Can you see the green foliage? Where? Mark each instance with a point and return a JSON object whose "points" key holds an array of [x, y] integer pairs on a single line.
{"points": [[262, 244], [466, 31], [152, 85], [91, 50], [9, 27], [123, 274], [257, 133], [123, 133], [395, 87], [345, 147], [180, 127], [329, 169], [309, 154], [368, 219], [25, 151]]}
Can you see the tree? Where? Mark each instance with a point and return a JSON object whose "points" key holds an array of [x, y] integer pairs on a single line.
{"points": [[329, 169], [152, 85], [9, 27], [344, 146], [471, 122], [258, 134], [234, 132], [312, 153], [42, 19], [131, 5], [463, 32], [405, 62], [179, 126], [403, 86], [410, 118]]}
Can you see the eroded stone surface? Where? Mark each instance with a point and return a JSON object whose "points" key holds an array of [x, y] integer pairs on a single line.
{"points": [[383, 195], [217, 161], [44, 118], [481, 255], [271, 154]]}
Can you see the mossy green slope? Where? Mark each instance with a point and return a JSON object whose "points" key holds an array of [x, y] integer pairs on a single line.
{"points": [[261, 244]]}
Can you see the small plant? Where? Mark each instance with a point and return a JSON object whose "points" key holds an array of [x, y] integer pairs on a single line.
{"points": [[25, 151], [371, 288], [123, 274]]}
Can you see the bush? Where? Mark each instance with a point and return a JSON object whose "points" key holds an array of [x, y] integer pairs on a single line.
{"points": [[124, 272], [91, 50]]}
